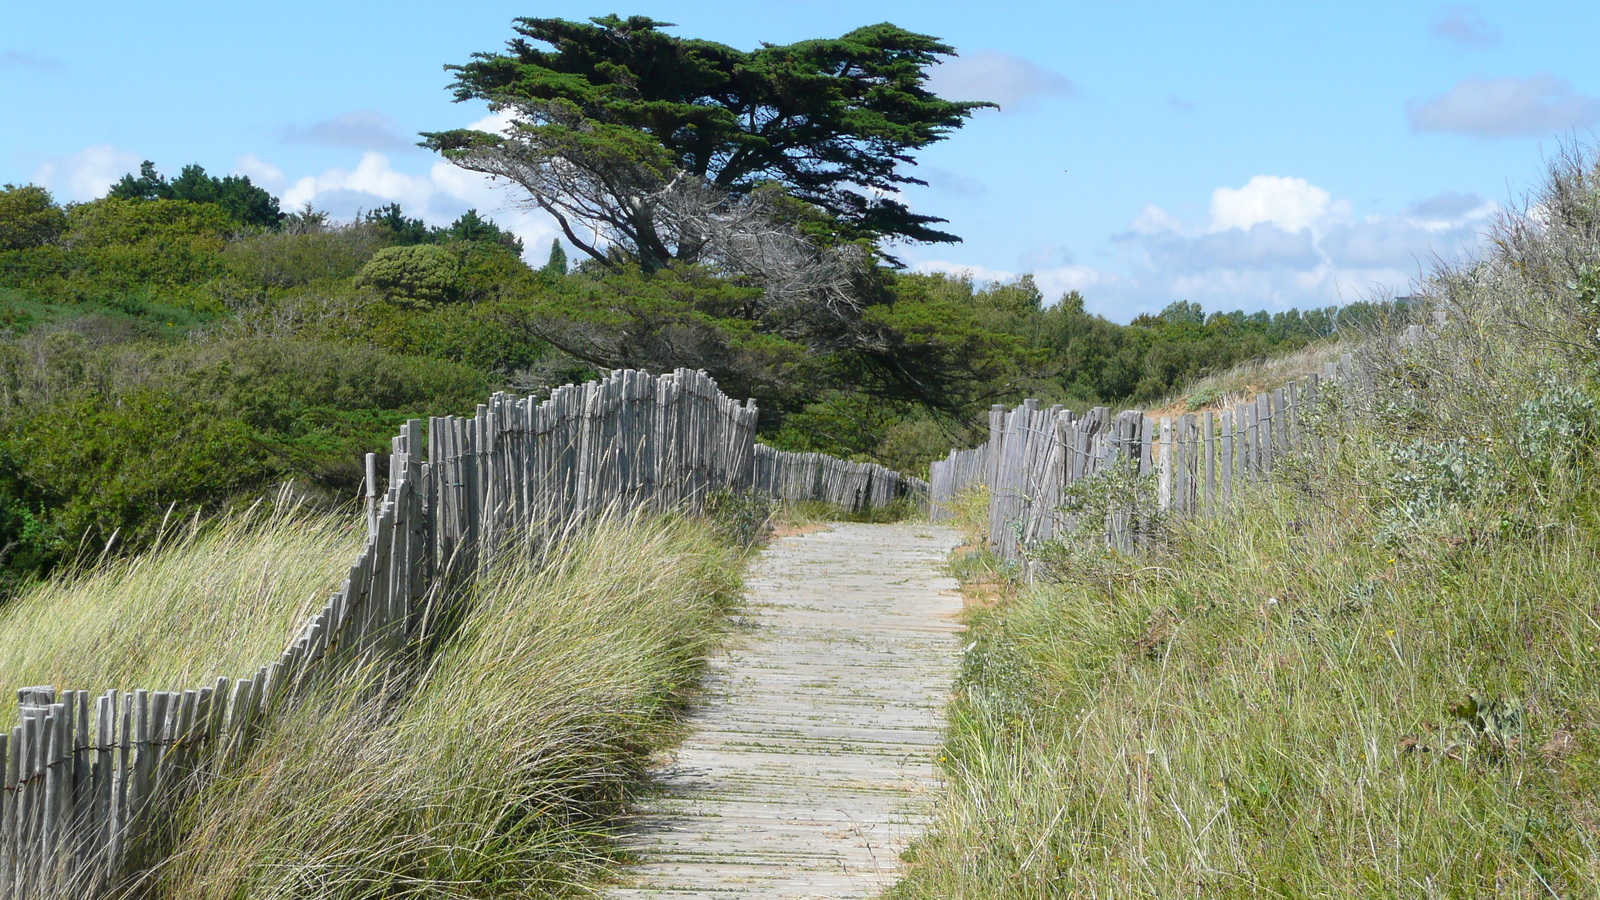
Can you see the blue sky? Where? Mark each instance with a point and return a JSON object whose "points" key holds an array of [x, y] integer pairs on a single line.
{"points": [[1243, 155]]}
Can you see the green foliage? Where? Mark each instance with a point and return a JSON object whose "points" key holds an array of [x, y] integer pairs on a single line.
{"points": [[120, 247], [472, 227], [104, 438], [741, 518], [1555, 428], [105, 470], [679, 316], [403, 230], [556, 265], [415, 276], [829, 120], [234, 194], [280, 259], [29, 217]]}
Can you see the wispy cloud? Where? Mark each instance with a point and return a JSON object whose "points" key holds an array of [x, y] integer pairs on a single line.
{"points": [[1483, 107], [1271, 243], [1463, 26], [436, 196], [260, 172], [362, 129], [86, 174], [1003, 78], [13, 60]]}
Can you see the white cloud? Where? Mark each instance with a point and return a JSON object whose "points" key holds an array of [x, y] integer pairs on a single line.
{"points": [[1273, 243], [1056, 282], [981, 274], [1154, 220], [1463, 26], [86, 174], [259, 172], [1288, 203], [437, 196], [1011, 81], [1260, 246], [495, 122], [1536, 106]]}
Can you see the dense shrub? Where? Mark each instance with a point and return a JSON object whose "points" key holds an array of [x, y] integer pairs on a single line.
{"points": [[417, 276], [274, 259], [29, 217]]}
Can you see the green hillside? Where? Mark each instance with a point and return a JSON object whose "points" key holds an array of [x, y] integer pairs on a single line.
{"points": [[185, 345]]}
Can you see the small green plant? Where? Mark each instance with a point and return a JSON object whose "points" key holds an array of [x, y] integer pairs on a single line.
{"points": [[1431, 480], [1100, 520], [1211, 395], [742, 518], [1557, 427]]}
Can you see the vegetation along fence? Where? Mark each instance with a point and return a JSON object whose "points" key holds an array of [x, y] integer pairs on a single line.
{"points": [[817, 476], [88, 778], [1035, 457]]}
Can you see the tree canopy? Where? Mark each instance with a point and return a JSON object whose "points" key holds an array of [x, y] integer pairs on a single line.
{"points": [[617, 119], [244, 201]]}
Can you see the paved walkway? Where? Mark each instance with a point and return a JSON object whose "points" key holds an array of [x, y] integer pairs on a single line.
{"points": [[811, 762]]}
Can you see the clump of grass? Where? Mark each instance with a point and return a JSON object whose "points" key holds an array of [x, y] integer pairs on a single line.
{"points": [[1374, 677], [1283, 705], [501, 772], [1243, 381], [801, 512], [221, 598]]}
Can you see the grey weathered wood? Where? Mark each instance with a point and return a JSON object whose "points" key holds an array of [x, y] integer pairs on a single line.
{"points": [[1208, 439], [810, 767], [1227, 461]]}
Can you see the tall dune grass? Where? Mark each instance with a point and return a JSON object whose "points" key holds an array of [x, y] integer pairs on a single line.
{"points": [[218, 599], [500, 772], [1378, 676]]}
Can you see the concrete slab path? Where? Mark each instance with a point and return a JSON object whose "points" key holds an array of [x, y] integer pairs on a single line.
{"points": [[811, 764]]}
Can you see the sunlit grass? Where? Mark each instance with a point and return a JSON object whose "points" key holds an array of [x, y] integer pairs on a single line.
{"points": [[1378, 675], [500, 773], [219, 599], [1284, 707]]}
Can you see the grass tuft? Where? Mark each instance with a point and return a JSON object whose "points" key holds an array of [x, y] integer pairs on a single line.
{"points": [[217, 599], [501, 773]]}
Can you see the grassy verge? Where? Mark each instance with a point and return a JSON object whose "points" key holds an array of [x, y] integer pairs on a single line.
{"points": [[808, 512], [1379, 676], [497, 774], [1285, 707], [216, 600]]}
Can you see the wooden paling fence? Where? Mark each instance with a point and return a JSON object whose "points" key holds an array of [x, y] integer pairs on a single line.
{"points": [[816, 476], [1035, 455], [90, 778]]}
